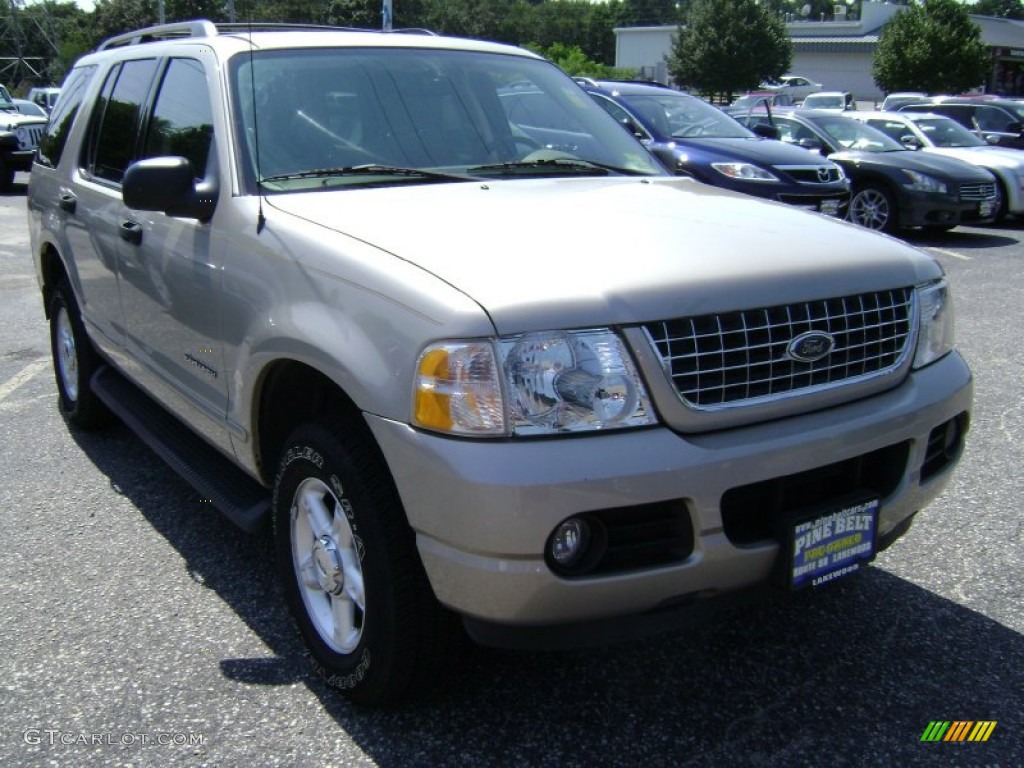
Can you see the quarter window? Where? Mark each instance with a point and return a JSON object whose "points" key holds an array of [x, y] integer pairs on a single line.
{"points": [[51, 145]]}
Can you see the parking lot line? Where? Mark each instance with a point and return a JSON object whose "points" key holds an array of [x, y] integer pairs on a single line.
{"points": [[21, 377], [954, 254]]}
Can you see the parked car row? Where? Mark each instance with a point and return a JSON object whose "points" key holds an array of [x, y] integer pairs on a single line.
{"points": [[20, 131], [693, 138], [893, 185]]}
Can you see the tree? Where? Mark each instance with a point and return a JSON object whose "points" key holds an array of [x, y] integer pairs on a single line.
{"points": [[726, 46], [932, 47], [573, 61]]}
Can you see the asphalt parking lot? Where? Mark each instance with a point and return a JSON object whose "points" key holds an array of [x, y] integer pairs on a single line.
{"points": [[140, 628]]}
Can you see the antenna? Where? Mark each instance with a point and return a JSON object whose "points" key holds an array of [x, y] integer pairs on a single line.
{"points": [[261, 220]]}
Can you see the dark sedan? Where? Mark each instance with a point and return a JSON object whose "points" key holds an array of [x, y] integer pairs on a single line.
{"points": [[693, 138], [893, 186]]}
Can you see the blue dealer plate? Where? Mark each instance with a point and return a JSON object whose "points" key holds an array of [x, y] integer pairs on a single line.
{"points": [[832, 544]]}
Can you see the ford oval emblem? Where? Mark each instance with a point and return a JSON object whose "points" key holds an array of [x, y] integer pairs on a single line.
{"points": [[810, 347]]}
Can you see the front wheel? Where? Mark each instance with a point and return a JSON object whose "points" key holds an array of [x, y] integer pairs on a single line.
{"points": [[350, 570], [873, 207]]}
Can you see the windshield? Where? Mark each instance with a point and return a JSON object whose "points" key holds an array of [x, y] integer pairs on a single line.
{"points": [[852, 134], [366, 116], [816, 101], [676, 115], [945, 132]]}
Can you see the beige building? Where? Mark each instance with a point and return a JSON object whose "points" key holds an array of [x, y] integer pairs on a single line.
{"points": [[837, 51]]}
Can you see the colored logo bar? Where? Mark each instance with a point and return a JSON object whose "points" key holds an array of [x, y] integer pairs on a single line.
{"points": [[958, 730]]}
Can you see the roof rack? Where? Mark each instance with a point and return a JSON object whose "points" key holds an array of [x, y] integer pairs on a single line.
{"points": [[198, 28], [206, 28]]}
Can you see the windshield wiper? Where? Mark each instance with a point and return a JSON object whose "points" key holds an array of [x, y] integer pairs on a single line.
{"points": [[369, 169], [587, 167]]}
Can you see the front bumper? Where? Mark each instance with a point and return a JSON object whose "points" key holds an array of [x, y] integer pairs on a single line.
{"points": [[483, 510], [922, 209]]}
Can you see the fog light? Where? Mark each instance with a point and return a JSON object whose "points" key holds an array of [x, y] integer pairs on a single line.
{"points": [[570, 541]]}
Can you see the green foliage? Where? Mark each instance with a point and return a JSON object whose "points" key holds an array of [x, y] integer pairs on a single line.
{"points": [[573, 61], [932, 47], [727, 46]]}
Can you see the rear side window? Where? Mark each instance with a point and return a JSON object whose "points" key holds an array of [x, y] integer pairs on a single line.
{"points": [[51, 146], [182, 121], [117, 119]]}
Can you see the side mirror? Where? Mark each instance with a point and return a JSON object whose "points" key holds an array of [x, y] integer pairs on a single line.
{"points": [[765, 131], [168, 184], [910, 142], [630, 125], [812, 143]]}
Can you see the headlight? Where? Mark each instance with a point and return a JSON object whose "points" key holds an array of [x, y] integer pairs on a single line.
{"points": [[535, 384], [935, 319], [744, 172], [922, 182]]}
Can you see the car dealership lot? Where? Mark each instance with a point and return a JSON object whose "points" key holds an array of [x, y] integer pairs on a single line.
{"points": [[141, 628]]}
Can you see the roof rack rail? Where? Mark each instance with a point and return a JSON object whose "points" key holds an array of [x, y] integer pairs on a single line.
{"points": [[197, 28], [206, 28], [280, 26]]}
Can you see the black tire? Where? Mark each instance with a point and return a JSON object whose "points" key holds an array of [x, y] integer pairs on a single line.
{"points": [[74, 362], [873, 207], [1002, 204], [376, 632]]}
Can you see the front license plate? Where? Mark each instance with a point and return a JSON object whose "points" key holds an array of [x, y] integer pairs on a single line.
{"points": [[986, 207], [832, 544], [830, 207]]}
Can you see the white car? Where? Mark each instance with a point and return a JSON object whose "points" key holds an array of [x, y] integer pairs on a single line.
{"points": [[831, 101], [794, 86], [944, 135]]}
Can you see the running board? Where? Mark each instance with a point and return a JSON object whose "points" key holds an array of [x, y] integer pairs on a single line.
{"points": [[244, 501]]}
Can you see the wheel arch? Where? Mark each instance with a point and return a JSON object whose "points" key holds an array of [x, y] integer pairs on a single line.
{"points": [[289, 393], [51, 271]]}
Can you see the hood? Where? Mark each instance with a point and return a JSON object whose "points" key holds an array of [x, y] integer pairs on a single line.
{"points": [[9, 121], [578, 252], [934, 164], [754, 150], [987, 157]]}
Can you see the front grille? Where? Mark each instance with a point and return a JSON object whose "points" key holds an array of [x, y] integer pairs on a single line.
{"points": [[28, 136], [812, 174], [975, 192], [737, 357]]}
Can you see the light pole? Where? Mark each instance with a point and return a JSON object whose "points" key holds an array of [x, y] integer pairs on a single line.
{"points": [[385, 16]]}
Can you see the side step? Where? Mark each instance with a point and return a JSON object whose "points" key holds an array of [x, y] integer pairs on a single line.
{"points": [[245, 502]]}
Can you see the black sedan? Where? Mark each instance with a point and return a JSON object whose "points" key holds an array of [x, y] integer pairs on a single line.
{"points": [[893, 186]]}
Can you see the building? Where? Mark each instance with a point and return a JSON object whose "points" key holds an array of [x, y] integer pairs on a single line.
{"points": [[837, 51]]}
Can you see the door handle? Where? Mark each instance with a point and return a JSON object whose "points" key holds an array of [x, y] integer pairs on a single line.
{"points": [[131, 231], [67, 201]]}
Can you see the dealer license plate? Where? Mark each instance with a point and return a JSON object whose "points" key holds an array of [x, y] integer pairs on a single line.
{"points": [[986, 208], [832, 544], [830, 207]]}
